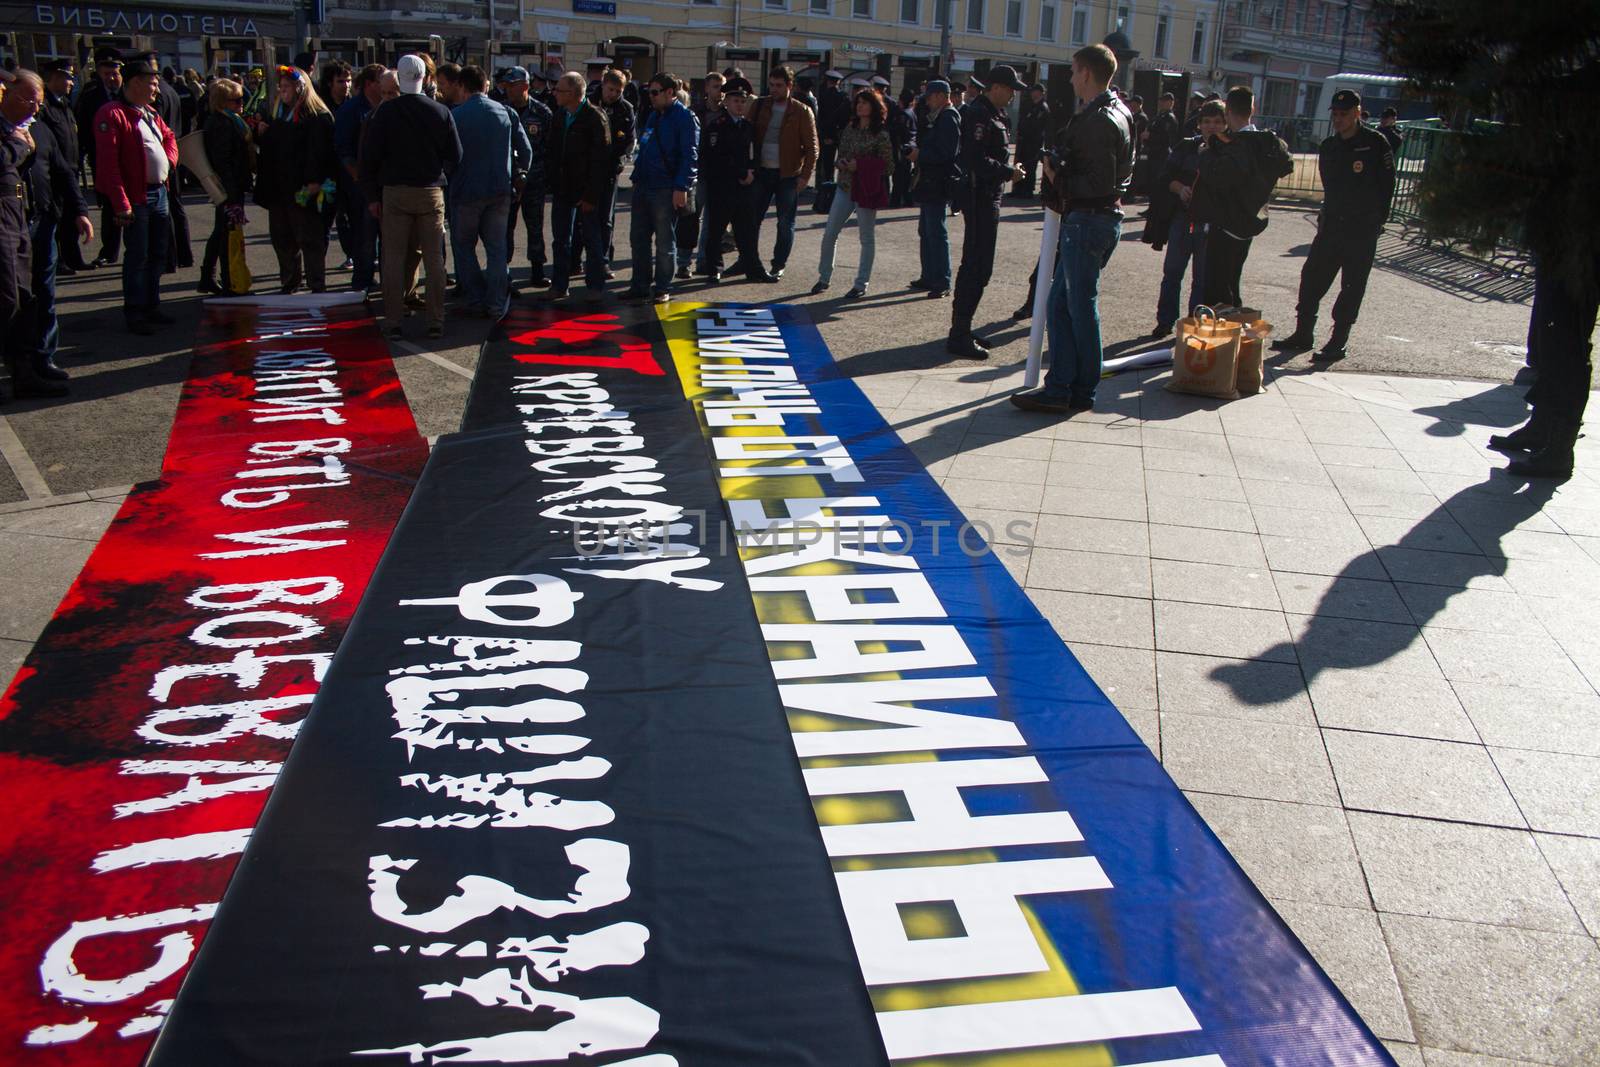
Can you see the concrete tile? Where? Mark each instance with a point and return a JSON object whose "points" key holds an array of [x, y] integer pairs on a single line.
{"points": [[1249, 420], [1164, 437], [1094, 503], [1412, 506], [1405, 1055], [1577, 522], [995, 526], [1090, 572], [1193, 486], [79, 522], [1384, 457], [1562, 581], [1300, 852], [1412, 776], [38, 571], [1207, 514], [1558, 792], [1438, 1057], [1504, 659], [1491, 611], [1298, 472], [1546, 720], [1088, 455], [1455, 569], [1325, 642], [1304, 556], [1444, 870], [1531, 544], [1340, 597], [1237, 757], [1436, 533], [1370, 481], [1104, 620], [1341, 428], [983, 493], [1193, 544], [986, 445], [1210, 629], [1127, 676], [1576, 862], [1304, 497], [1186, 462], [1016, 560], [1349, 945], [1313, 525], [1083, 534], [1234, 688], [1000, 469], [1410, 705], [1499, 990], [1212, 583]]}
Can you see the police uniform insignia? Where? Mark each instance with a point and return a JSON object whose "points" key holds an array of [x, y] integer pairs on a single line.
{"points": [[1357, 166], [533, 129]]}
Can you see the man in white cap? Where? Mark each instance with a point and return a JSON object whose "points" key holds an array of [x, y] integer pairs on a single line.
{"points": [[409, 148], [833, 115]]}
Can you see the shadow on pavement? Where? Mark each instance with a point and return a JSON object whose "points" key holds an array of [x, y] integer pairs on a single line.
{"points": [[1451, 272], [1332, 640]]}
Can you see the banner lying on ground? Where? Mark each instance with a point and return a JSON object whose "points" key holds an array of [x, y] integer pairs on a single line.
{"points": [[140, 737], [547, 807]]}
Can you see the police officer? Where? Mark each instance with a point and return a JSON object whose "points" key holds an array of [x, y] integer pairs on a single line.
{"points": [[728, 167], [1388, 125], [535, 118], [57, 114], [51, 194], [1031, 126], [833, 115], [986, 159], [937, 155], [1357, 169]]}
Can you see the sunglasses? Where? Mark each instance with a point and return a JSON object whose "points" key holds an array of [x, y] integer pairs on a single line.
{"points": [[657, 92]]}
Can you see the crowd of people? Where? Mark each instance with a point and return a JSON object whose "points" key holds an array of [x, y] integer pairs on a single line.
{"points": [[427, 162]]}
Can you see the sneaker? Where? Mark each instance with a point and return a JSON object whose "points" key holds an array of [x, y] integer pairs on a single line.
{"points": [[346, 264], [684, 273], [981, 343], [938, 294], [857, 292], [918, 283], [1050, 405], [820, 287], [539, 281], [662, 298]]}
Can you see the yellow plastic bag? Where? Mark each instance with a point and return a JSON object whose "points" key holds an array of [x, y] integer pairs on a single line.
{"points": [[238, 270]]}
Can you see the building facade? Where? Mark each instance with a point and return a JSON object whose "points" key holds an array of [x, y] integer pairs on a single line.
{"points": [[1286, 50]]}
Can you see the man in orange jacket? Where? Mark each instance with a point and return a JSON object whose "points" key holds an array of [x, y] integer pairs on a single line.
{"points": [[135, 153]]}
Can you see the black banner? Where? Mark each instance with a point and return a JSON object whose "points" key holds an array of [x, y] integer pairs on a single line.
{"points": [[545, 807]]}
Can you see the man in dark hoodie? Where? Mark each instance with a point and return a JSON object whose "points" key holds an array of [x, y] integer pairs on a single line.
{"points": [[1238, 170]]}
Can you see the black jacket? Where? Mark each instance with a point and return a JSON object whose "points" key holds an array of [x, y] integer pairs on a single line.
{"points": [[1163, 138], [938, 158], [411, 141], [1357, 180], [619, 120], [1182, 165], [229, 154], [1236, 179], [52, 181], [580, 163], [293, 155], [833, 113], [1095, 153], [57, 114], [726, 151], [985, 154], [90, 100], [1031, 124]]}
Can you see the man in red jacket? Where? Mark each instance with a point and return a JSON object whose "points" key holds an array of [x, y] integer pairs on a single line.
{"points": [[135, 153]]}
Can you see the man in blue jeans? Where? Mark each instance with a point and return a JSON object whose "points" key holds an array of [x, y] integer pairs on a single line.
{"points": [[663, 174], [786, 155], [495, 155], [936, 160], [1092, 163]]}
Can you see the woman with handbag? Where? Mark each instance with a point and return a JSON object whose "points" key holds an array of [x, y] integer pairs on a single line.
{"points": [[865, 161], [232, 155], [294, 178]]}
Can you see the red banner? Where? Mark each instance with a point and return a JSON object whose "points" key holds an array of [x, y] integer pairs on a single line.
{"points": [[140, 739]]}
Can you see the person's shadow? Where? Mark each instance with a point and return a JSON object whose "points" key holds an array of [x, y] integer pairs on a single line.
{"points": [[1326, 643]]}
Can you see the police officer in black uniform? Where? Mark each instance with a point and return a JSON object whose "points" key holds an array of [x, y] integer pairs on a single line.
{"points": [[986, 159], [728, 165], [1032, 123], [833, 115], [1357, 167]]}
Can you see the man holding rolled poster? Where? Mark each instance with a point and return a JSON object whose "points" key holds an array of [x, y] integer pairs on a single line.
{"points": [[1089, 168]]}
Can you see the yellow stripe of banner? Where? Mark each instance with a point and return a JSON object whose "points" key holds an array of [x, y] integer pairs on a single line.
{"points": [[678, 321]]}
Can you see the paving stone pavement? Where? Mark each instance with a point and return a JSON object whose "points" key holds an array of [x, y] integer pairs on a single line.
{"points": [[1370, 661]]}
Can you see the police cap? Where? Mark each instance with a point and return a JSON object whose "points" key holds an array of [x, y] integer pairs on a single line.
{"points": [[937, 85], [1344, 99], [1007, 76], [514, 75], [56, 66], [738, 87]]}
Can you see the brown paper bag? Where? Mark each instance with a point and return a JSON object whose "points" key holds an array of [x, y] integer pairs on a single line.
{"points": [[1248, 377], [1205, 356]]}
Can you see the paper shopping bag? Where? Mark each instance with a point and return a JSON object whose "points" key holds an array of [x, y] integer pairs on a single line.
{"points": [[1205, 356]]}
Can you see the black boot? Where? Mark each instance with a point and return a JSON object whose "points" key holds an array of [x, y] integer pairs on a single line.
{"points": [[1554, 460], [961, 344], [1303, 338], [1334, 350], [49, 369], [25, 382], [1529, 437]]}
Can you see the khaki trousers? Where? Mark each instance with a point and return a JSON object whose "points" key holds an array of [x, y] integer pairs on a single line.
{"points": [[412, 218]]}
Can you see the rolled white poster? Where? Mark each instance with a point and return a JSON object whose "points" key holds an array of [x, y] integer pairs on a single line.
{"points": [[1041, 296]]}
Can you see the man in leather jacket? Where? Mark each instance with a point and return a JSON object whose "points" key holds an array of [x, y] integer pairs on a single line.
{"points": [[986, 160], [1090, 168]]}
